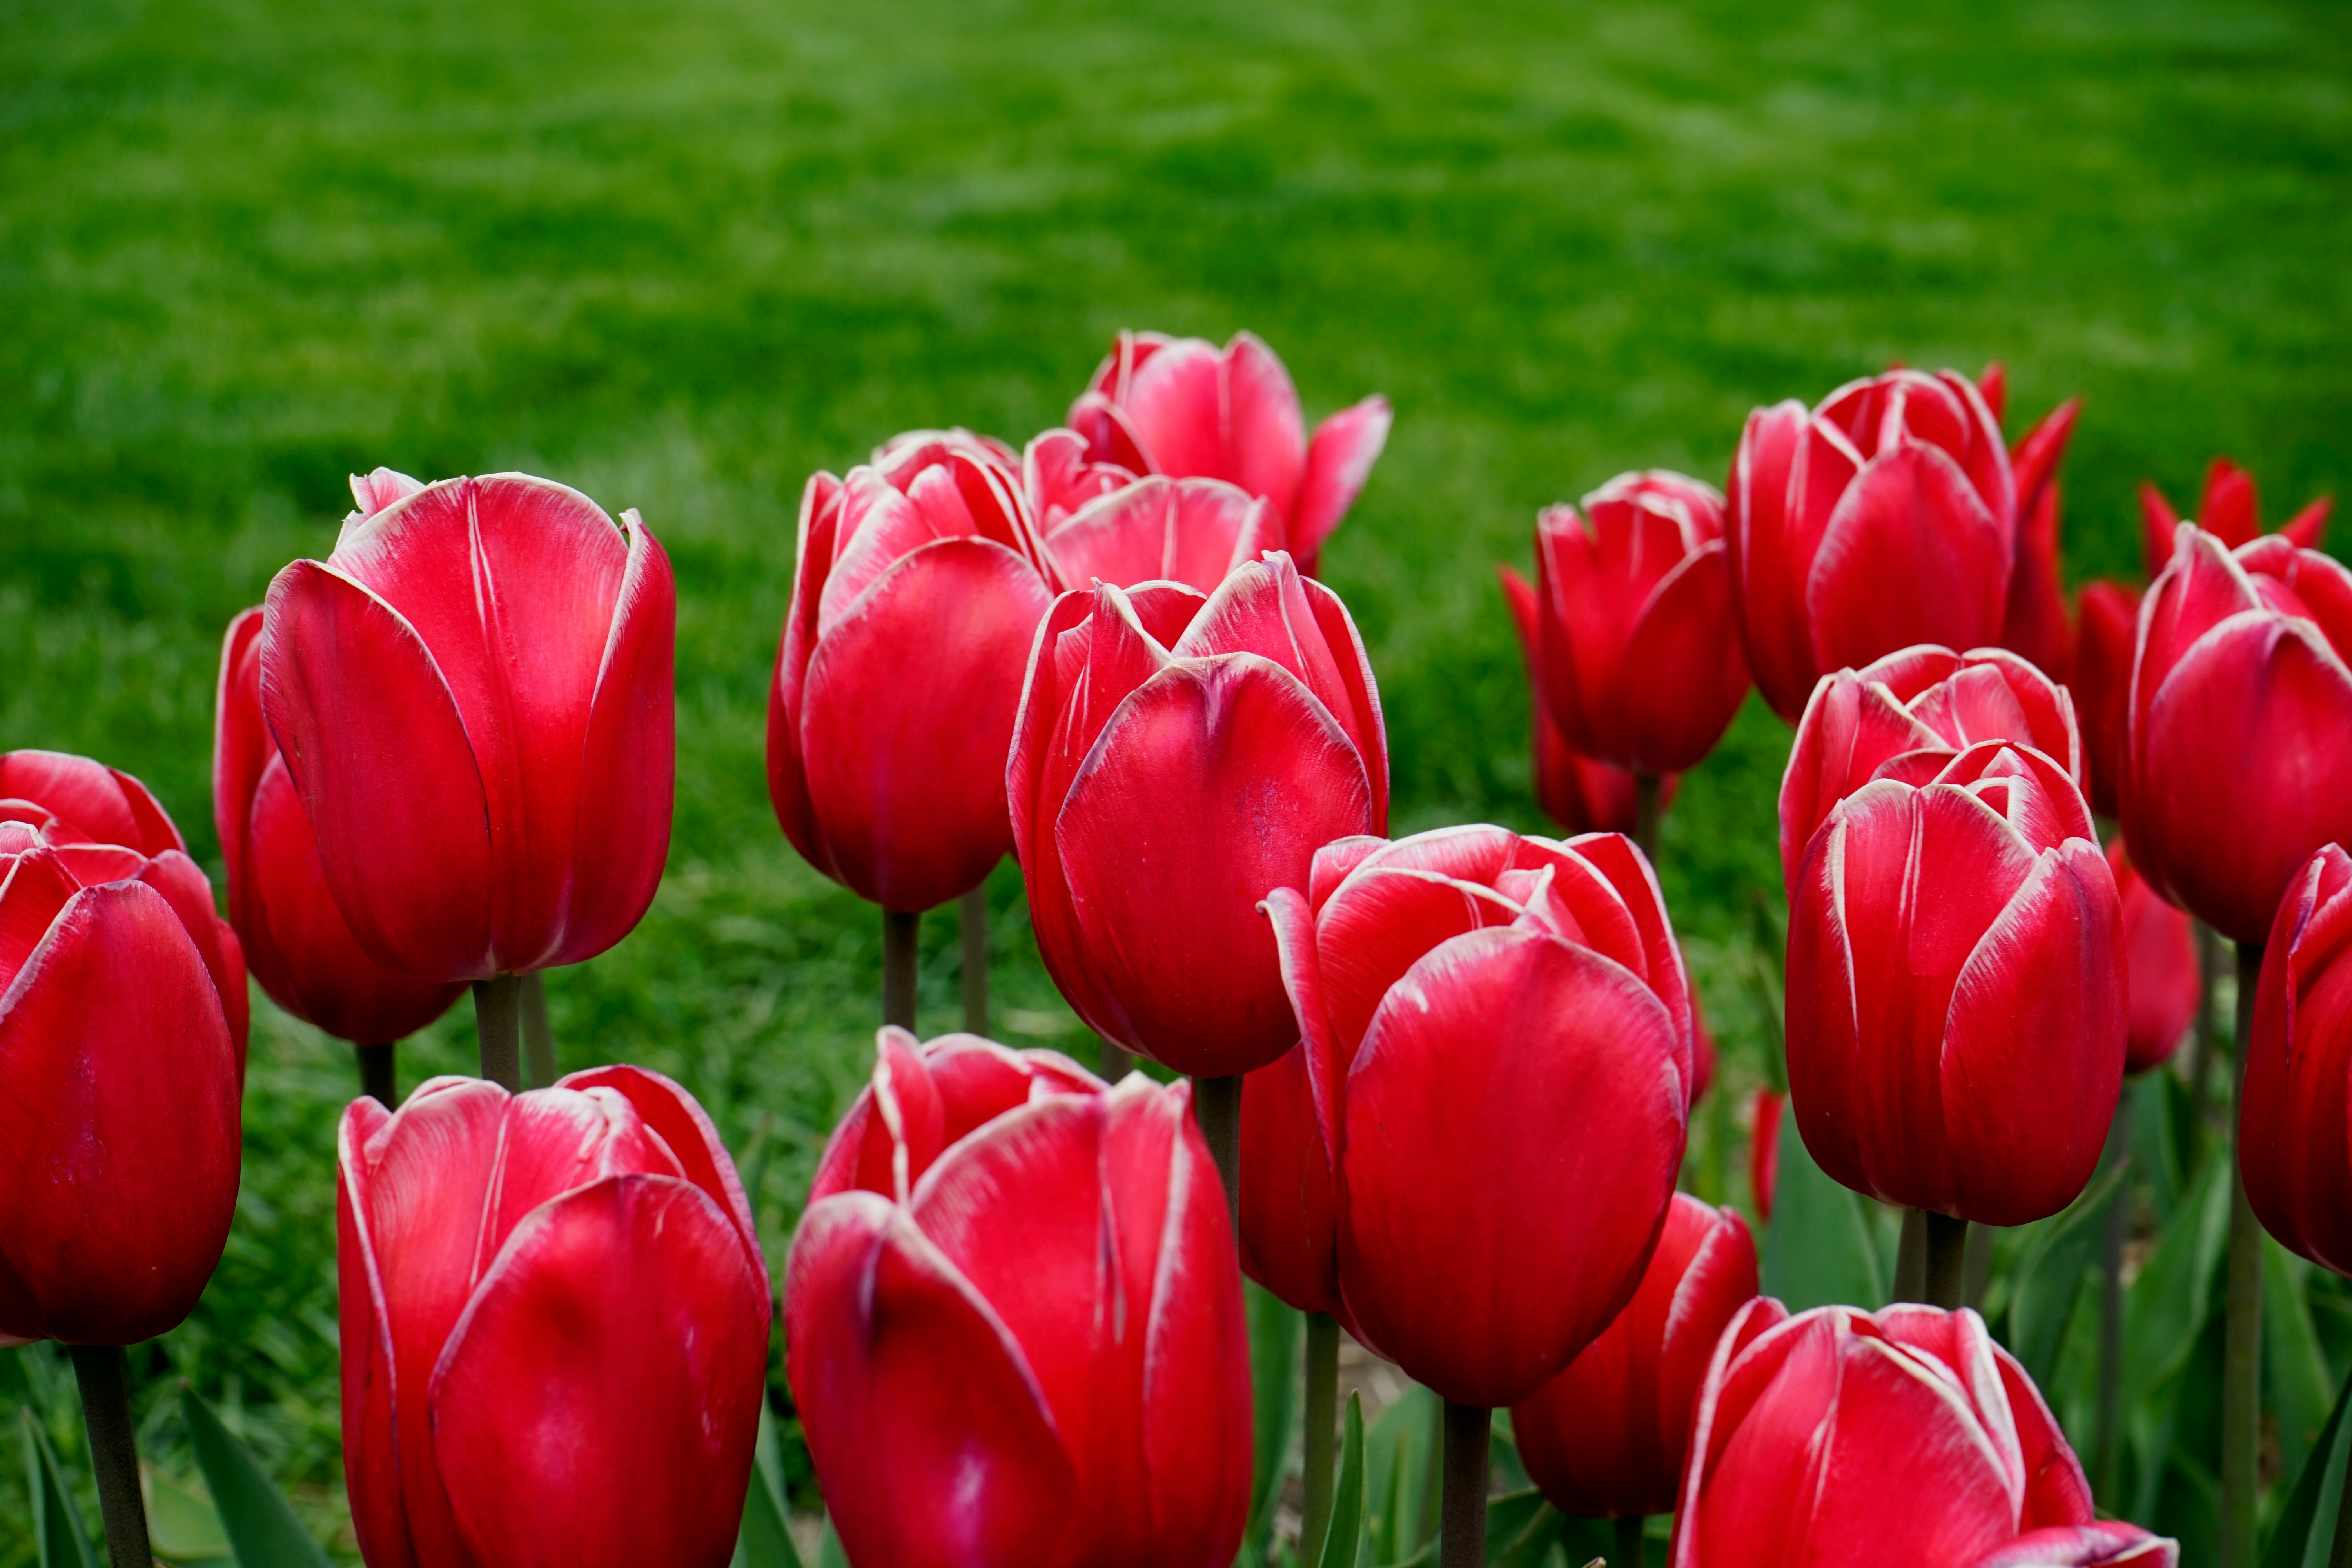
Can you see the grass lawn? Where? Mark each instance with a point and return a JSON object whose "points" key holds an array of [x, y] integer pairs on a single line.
{"points": [[681, 256]]}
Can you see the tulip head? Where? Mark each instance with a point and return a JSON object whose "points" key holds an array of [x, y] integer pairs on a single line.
{"points": [[1579, 794], [555, 1320], [2292, 1130], [1605, 1438], [1036, 1353], [2160, 959], [1486, 1014], [2239, 725], [1885, 518], [1176, 760]]}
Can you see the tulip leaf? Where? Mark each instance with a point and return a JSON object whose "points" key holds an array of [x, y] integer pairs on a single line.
{"points": [[2293, 1364], [765, 1540], [1274, 1331], [2172, 1297], [1521, 1530], [183, 1527], [2050, 1274], [260, 1524], [58, 1533], [1819, 1249], [829, 1554], [1399, 1446], [1342, 1542], [2305, 1534]]}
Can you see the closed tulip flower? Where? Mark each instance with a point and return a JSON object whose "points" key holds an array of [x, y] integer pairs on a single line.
{"points": [[2241, 726], [119, 1082], [1885, 518], [297, 941], [1180, 406], [1177, 759], [1839, 1439], [1605, 1438], [1485, 1014], [1035, 1353], [555, 1326], [1956, 1000], [2160, 953], [1579, 794], [473, 698], [2292, 1131]]}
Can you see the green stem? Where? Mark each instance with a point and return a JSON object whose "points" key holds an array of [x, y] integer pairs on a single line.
{"points": [[1217, 1105], [498, 1026], [114, 1451], [377, 1080], [1322, 1411], [537, 1039], [1646, 790], [900, 957], [972, 915], [1461, 1530], [1910, 1253], [1947, 1252], [2108, 1451], [2202, 1045], [1628, 1541], [2242, 1333], [1114, 1061]]}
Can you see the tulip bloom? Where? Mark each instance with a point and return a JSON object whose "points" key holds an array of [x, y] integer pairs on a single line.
{"points": [[473, 698], [1176, 760], [119, 1081], [2160, 949], [1581, 794], [555, 1326], [299, 946], [1885, 518], [1839, 1439], [2292, 1131], [1036, 1353], [1482, 1013], [1180, 407], [2241, 726], [1605, 1439], [1955, 1002], [1640, 651]]}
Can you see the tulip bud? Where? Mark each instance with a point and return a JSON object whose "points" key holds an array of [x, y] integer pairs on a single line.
{"points": [[1840, 1437], [2106, 628], [1485, 1014], [472, 695], [2241, 718], [1641, 656], [299, 946], [1956, 1001], [1180, 407], [2292, 1130], [2160, 959], [1036, 1353], [1176, 760], [1605, 1438], [554, 1321], [1581, 794], [1885, 518]]}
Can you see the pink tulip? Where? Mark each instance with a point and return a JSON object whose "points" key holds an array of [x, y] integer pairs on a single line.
{"points": [[1034, 1354], [1579, 794], [1176, 760], [2295, 1126], [472, 695], [1180, 407], [555, 1326], [2160, 949]]}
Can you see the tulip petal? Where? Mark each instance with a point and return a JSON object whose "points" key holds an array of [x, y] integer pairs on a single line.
{"points": [[1264, 607], [241, 745], [1690, 667], [979, 1081], [104, 803], [2102, 1545], [1289, 1198], [819, 517], [2056, 1492], [1340, 458], [1767, 563], [893, 1132], [1175, 403], [39, 884], [1911, 554], [556, 1141], [1266, 434], [372, 1468], [189, 891], [1376, 926]]}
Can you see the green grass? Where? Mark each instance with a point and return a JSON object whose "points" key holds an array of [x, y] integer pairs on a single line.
{"points": [[681, 256]]}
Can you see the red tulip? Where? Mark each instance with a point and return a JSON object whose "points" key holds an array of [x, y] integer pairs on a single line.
{"points": [[2034, 623], [119, 1081], [1885, 518], [1176, 760], [2293, 1138], [1764, 1150], [1906, 716], [2160, 949], [1581, 794], [301, 948], [1839, 1439], [2230, 511], [1036, 1352], [1178, 407], [1194, 531], [555, 1326], [473, 698], [1641, 656], [1605, 1439], [1956, 1001], [2106, 633], [1486, 1014], [2241, 726]]}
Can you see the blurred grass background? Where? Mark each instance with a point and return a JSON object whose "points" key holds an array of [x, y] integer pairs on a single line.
{"points": [[681, 256]]}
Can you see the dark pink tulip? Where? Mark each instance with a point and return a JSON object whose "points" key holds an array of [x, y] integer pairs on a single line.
{"points": [[1906, 716], [2241, 726], [119, 1082], [299, 946], [1180, 406], [1957, 1002], [1581, 794], [1605, 1438], [1885, 518], [2160, 949], [1035, 1353], [919, 581], [555, 1326], [1640, 655], [1485, 1014], [2106, 631], [1176, 760], [1839, 1439], [472, 695], [2295, 1150]]}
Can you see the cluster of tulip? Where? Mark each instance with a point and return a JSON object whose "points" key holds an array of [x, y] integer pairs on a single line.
{"points": [[1436, 1089]]}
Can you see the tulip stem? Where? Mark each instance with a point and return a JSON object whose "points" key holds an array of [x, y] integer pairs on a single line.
{"points": [[1645, 815], [1628, 1541], [2242, 1333], [900, 955], [114, 1451], [538, 1041], [972, 915], [1217, 1105], [1911, 1257], [2107, 1453], [1322, 1410], [1114, 1061], [497, 1025], [2208, 1030], [1948, 1261], [1462, 1531], [377, 1080]]}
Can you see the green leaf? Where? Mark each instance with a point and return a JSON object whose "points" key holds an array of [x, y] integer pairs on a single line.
{"points": [[1346, 1536], [2293, 1364], [2168, 1302], [2051, 1273], [765, 1540], [1399, 1447], [1521, 1530], [829, 1554], [2305, 1534], [57, 1523], [260, 1524], [183, 1527], [1819, 1248], [1274, 1331]]}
